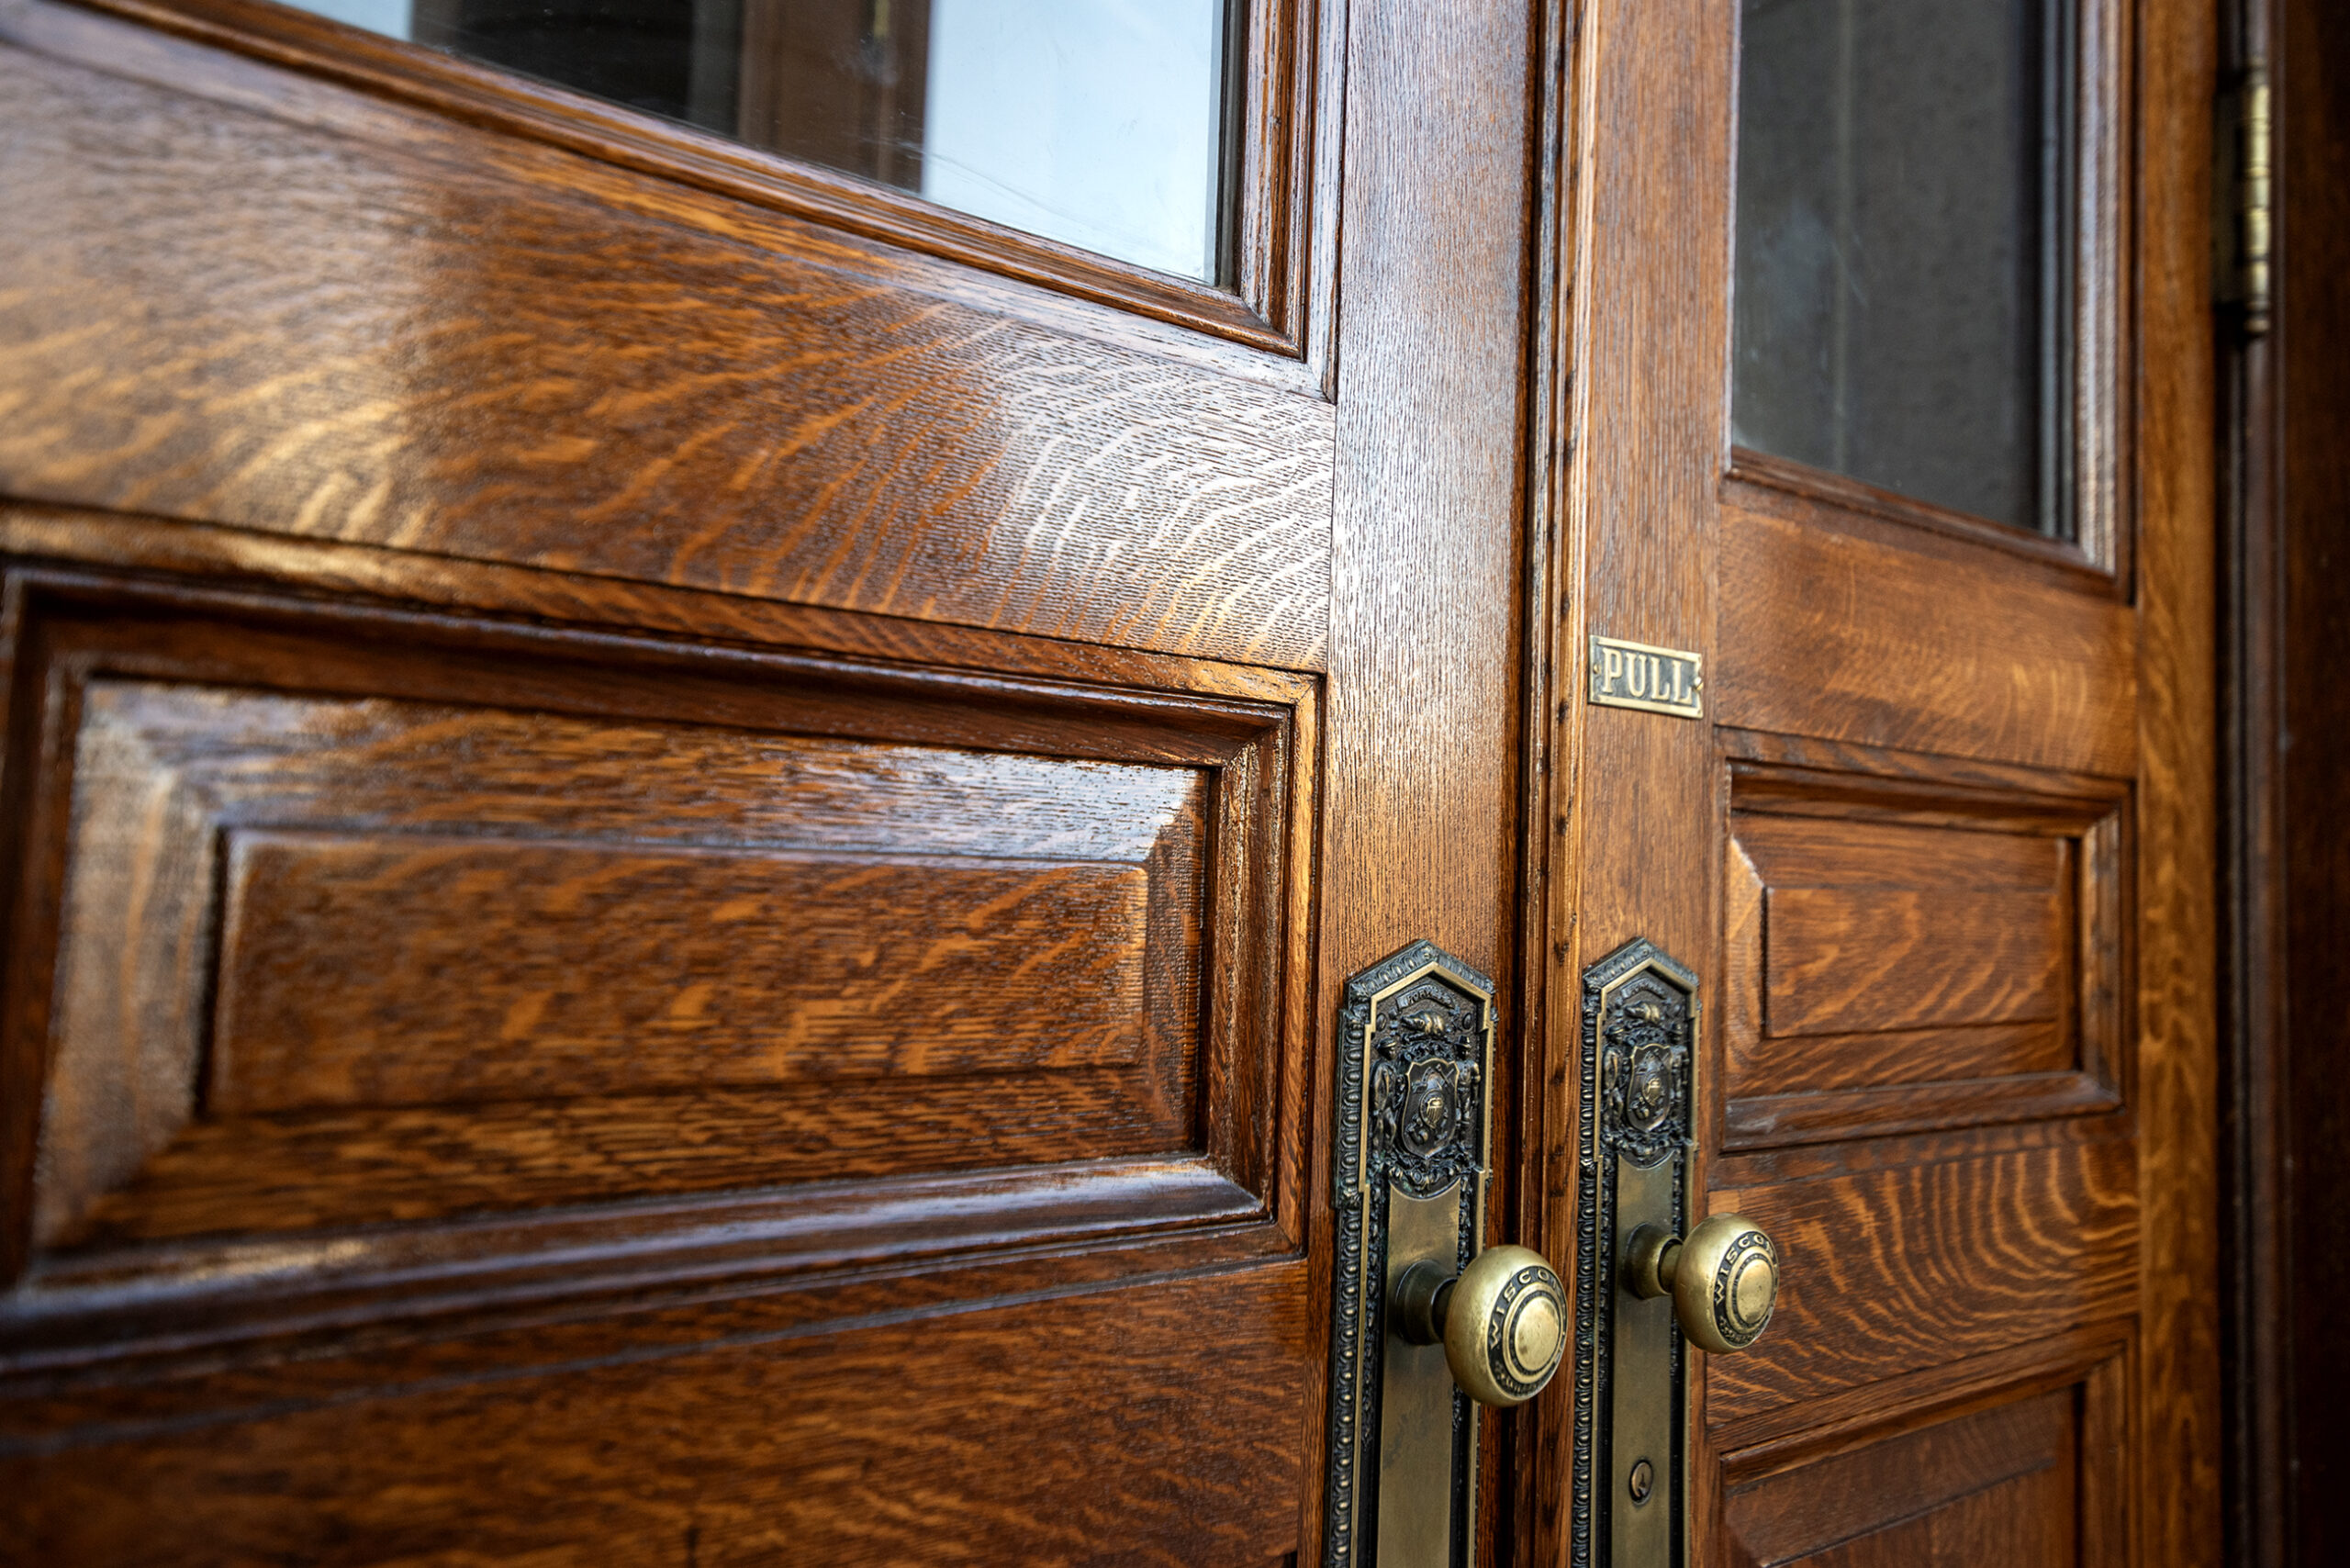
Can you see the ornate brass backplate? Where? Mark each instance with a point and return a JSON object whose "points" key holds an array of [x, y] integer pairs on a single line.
{"points": [[1411, 1168], [1639, 1037]]}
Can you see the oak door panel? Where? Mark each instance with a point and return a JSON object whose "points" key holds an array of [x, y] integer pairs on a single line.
{"points": [[2001, 1486], [1920, 1265], [491, 970], [1938, 852], [1872, 928], [1927, 941], [1894, 963], [1012, 1434], [352, 341], [239, 847], [384, 948], [536, 588], [1871, 634]]}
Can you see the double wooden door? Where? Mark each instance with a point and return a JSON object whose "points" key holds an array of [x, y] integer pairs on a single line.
{"points": [[682, 834]]}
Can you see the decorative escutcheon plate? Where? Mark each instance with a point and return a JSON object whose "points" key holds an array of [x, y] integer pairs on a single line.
{"points": [[1639, 1035], [1410, 1169]]}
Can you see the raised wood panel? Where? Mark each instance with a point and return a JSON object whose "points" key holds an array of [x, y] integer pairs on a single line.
{"points": [[1999, 1486], [170, 781], [473, 971], [353, 342], [1865, 959], [343, 939], [1021, 1433], [1890, 968], [1884, 928], [1889, 1270], [1927, 645]]}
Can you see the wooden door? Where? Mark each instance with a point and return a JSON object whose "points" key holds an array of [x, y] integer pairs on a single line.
{"points": [[682, 835], [1938, 852]]}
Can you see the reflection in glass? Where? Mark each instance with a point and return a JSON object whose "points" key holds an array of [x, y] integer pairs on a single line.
{"points": [[1903, 249], [1101, 123]]}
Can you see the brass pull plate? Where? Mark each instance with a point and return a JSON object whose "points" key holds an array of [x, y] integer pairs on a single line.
{"points": [[1410, 1172], [1640, 1036], [1643, 676]]}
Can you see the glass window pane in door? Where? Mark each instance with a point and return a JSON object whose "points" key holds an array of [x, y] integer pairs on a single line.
{"points": [[1099, 123], [1902, 248]]}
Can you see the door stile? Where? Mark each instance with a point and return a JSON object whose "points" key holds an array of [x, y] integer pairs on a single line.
{"points": [[1544, 1434], [2180, 1435], [1421, 788], [1639, 804]]}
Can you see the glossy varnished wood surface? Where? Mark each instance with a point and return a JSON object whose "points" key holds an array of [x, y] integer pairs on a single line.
{"points": [[1954, 929], [1945, 809], [217, 1075], [115, 1345], [1992, 1487], [1635, 434], [1426, 639], [591, 964], [1906, 1267], [2175, 888], [1917, 644], [540, 560], [1915, 944], [1629, 445], [744, 1449], [470, 360]]}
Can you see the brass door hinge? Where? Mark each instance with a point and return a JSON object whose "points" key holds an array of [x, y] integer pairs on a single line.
{"points": [[2245, 185]]}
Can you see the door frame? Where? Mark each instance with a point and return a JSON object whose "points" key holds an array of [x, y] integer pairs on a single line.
{"points": [[2285, 739]]}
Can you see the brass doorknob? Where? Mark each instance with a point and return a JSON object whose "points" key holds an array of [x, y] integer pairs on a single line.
{"points": [[1724, 1279], [1502, 1320]]}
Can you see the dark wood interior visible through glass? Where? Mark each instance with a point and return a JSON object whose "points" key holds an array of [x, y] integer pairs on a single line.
{"points": [[1904, 248], [1106, 124]]}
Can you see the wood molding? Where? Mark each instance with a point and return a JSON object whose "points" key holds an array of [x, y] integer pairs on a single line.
{"points": [[1280, 122], [93, 651], [1824, 498]]}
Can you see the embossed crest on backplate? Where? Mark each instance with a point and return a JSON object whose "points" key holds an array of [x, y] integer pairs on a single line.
{"points": [[1643, 1045], [1410, 1172]]}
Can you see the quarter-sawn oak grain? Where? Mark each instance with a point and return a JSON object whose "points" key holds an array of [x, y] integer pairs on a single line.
{"points": [[559, 573], [1932, 858], [463, 365]]}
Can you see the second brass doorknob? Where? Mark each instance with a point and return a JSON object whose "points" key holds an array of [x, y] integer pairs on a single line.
{"points": [[1724, 1279]]}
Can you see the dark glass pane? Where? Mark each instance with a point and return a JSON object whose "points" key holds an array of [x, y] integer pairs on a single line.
{"points": [[1098, 122], [1900, 310]]}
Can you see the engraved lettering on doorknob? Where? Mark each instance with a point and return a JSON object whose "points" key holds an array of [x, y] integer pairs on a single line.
{"points": [[1724, 1279], [1503, 1322]]}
